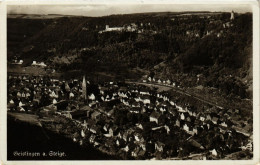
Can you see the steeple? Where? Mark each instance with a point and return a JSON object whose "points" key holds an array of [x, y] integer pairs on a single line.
{"points": [[84, 88], [232, 15]]}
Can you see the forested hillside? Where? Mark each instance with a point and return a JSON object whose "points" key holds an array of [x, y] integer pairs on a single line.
{"points": [[192, 49]]}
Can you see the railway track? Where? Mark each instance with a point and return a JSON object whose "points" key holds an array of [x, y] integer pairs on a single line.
{"points": [[179, 91]]}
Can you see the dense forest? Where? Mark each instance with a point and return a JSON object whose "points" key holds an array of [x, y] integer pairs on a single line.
{"points": [[168, 45]]}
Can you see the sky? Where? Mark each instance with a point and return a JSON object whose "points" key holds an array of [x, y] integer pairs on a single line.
{"points": [[109, 9]]}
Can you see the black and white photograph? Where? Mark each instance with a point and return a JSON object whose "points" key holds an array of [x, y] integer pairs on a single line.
{"points": [[129, 82]]}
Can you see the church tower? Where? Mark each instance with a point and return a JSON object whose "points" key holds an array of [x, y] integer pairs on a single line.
{"points": [[232, 15], [84, 88]]}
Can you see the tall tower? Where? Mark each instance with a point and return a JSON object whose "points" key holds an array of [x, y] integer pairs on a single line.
{"points": [[232, 15], [84, 88]]}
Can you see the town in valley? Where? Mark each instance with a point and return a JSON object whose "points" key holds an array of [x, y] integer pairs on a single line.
{"points": [[143, 86]]}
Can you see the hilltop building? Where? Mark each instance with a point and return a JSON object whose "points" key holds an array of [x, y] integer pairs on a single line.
{"points": [[232, 15], [42, 64], [19, 62], [113, 28]]}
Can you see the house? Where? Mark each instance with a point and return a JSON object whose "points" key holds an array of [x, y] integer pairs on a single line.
{"points": [[141, 153], [11, 101], [19, 94], [183, 116], [20, 109], [126, 148], [113, 131], [138, 137], [94, 129], [208, 124], [85, 108], [186, 127], [27, 95], [138, 152], [103, 90], [71, 95], [23, 95], [145, 99], [106, 127], [191, 119], [165, 103], [223, 124], [34, 63], [139, 125], [208, 117], [125, 136], [155, 117], [202, 118], [167, 129], [162, 109], [92, 138], [237, 111], [134, 153], [21, 104], [189, 112], [54, 101], [110, 113], [42, 64], [195, 131], [188, 119], [135, 110], [82, 133], [215, 120], [159, 146], [194, 143], [214, 152], [92, 97], [144, 91], [95, 115], [177, 123], [120, 143], [159, 95]]}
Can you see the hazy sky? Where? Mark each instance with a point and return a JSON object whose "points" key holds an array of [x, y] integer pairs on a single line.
{"points": [[102, 10]]}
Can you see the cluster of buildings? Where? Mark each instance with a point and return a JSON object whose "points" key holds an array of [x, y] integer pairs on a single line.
{"points": [[133, 27], [213, 23], [19, 62], [160, 81], [35, 63], [129, 28], [127, 119]]}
